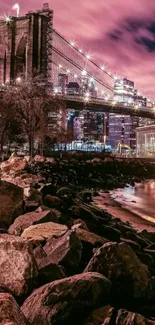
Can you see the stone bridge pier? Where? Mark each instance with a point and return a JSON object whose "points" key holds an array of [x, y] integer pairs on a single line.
{"points": [[24, 45]]}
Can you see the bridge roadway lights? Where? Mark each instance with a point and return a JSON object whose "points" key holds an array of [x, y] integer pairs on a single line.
{"points": [[79, 104]]}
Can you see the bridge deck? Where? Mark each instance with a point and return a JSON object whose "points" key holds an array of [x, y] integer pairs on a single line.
{"points": [[79, 103]]}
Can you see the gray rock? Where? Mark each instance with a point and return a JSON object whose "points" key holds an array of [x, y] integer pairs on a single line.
{"points": [[65, 250], [53, 202], [10, 313], [11, 200], [119, 263], [66, 301], [47, 270], [29, 219], [18, 268], [44, 231]]}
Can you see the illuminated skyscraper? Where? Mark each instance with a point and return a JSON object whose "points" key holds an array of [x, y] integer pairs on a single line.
{"points": [[124, 91]]}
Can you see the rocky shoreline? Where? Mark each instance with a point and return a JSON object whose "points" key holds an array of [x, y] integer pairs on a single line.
{"points": [[63, 259]]}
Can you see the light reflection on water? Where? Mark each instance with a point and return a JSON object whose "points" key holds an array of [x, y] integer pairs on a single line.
{"points": [[139, 199]]}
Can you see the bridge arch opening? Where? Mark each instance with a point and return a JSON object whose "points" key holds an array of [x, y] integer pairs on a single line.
{"points": [[21, 58]]}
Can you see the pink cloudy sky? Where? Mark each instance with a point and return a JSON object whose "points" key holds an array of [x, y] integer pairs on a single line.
{"points": [[118, 33]]}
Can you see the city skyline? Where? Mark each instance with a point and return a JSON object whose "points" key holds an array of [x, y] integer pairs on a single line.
{"points": [[119, 35]]}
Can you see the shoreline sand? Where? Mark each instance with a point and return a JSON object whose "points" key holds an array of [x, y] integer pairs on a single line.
{"points": [[117, 210]]}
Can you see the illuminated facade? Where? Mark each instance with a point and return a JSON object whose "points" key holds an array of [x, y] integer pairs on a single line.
{"points": [[145, 141], [88, 125], [119, 130], [124, 91]]}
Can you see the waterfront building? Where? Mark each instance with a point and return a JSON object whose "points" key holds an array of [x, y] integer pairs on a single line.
{"points": [[145, 141]]}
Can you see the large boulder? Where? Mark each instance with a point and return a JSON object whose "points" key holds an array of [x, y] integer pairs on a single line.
{"points": [[10, 313], [13, 165], [23, 180], [44, 230], [50, 160], [53, 202], [119, 263], [65, 250], [29, 219], [11, 200], [66, 301], [40, 159], [18, 268]]}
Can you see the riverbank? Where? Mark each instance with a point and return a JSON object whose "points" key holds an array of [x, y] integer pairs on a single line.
{"points": [[63, 259], [123, 212]]}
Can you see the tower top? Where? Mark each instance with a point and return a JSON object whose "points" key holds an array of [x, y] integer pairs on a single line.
{"points": [[46, 6], [45, 9]]}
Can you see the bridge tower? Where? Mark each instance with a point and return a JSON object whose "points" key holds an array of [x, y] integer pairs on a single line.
{"points": [[25, 44]]}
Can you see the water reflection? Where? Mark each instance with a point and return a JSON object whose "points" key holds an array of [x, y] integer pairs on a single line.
{"points": [[139, 199]]}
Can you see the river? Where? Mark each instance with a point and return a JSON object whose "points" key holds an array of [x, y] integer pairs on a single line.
{"points": [[139, 199]]}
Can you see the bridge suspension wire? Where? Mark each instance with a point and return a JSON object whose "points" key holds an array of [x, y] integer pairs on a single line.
{"points": [[100, 68], [64, 54], [82, 54], [64, 70], [81, 69]]}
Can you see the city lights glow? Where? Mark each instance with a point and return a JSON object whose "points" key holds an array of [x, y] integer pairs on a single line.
{"points": [[18, 79], [56, 90], [7, 19], [84, 73], [88, 56], [102, 68], [72, 43]]}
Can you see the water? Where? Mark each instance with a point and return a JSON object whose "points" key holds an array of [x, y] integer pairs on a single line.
{"points": [[139, 199]]}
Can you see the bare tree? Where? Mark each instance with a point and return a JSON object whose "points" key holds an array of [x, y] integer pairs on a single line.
{"points": [[9, 125], [35, 108]]}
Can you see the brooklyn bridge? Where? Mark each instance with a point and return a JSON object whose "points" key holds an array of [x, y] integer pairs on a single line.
{"points": [[30, 43]]}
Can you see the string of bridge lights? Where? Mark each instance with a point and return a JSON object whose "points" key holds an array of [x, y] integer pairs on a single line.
{"points": [[76, 76], [103, 69], [107, 97]]}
